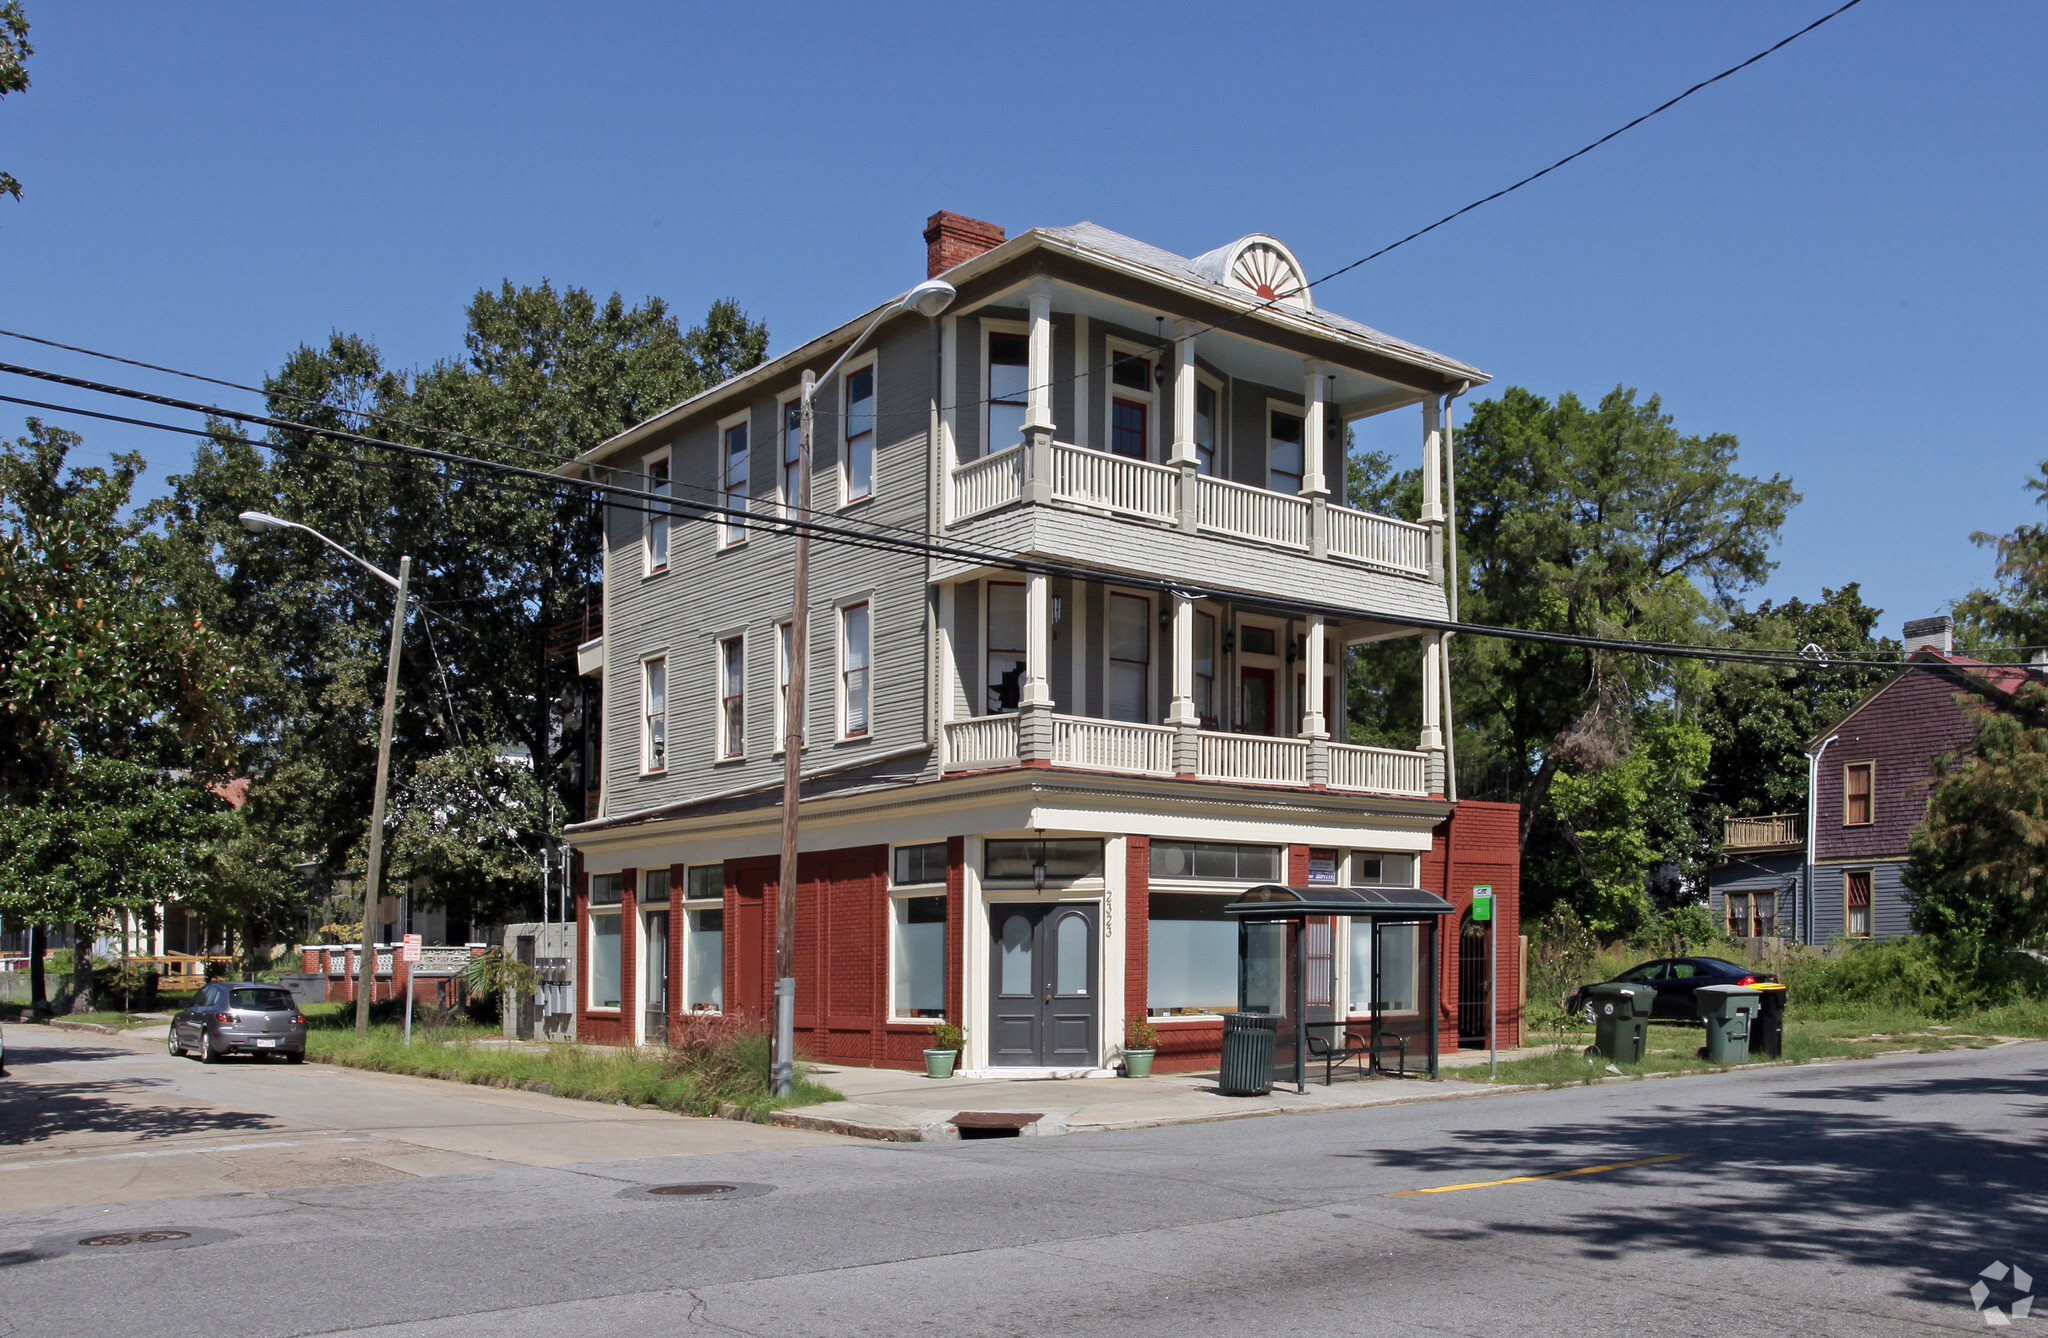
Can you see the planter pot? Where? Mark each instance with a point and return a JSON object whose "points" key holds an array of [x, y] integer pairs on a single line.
{"points": [[939, 1063], [1138, 1063]]}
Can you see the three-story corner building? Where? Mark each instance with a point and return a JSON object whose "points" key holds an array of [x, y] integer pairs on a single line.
{"points": [[1042, 754]]}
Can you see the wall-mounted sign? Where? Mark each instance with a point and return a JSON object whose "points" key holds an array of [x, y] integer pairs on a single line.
{"points": [[1322, 866]]}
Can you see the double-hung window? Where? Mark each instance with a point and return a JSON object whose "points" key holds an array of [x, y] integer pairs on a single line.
{"points": [[1130, 406], [1009, 392], [1205, 428], [1005, 645], [917, 897], [854, 684], [1205, 669], [733, 484], [792, 456], [1130, 658], [1859, 786], [654, 714], [1856, 903], [657, 516], [1284, 458], [732, 697], [860, 433]]}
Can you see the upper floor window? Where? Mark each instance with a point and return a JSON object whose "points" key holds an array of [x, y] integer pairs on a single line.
{"points": [[1009, 390], [1130, 405], [1130, 658], [657, 516], [860, 433], [654, 717], [792, 455], [733, 483], [1205, 668], [1006, 634], [854, 685], [1205, 428], [1859, 806], [732, 697], [1284, 458]]}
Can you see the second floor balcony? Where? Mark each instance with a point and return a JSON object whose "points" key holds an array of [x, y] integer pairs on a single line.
{"points": [[1773, 832]]}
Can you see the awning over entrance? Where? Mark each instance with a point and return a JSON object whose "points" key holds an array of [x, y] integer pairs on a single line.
{"points": [[1286, 965]]}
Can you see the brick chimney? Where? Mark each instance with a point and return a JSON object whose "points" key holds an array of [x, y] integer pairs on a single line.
{"points": [[1931, 633], [951, 238]]}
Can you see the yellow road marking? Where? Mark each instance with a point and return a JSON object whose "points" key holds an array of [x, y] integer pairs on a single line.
{"points": [[1548, 1175]]}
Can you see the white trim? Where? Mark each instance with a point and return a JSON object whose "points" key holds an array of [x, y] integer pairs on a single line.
{"points": [[865, 363], [1114, 346], [903, 892], [731, 535]]}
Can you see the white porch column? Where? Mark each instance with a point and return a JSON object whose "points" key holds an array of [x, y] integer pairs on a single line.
{"points": [[1182, 709], [1433, 482], [1432, 693], [1038, 426], [1312, 680], [1314, 482], [949, 413], [1037, 686], [1183, 396]]}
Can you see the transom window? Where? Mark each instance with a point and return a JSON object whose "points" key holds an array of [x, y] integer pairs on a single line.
{"points": [[860, 433], [1204, 859], [913, 865], [1009, 390], [605, 888], [1065, 859]]}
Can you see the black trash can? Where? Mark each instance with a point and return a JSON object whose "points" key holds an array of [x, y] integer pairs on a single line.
{"points": [[1767, 1032], [1248, 1054]]}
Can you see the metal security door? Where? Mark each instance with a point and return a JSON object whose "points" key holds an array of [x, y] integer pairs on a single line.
{"points": [[1044, 1001], [1472, 983]]}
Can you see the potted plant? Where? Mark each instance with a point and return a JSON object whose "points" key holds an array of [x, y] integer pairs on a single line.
{"points": [[945, 1050], [1141, 1042]]}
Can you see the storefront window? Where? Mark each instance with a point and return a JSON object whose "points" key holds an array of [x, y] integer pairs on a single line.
{"points": [[1370, 869], [1397, 967], [920, 958], [604, 959], [704, 958], [1192, 955]]}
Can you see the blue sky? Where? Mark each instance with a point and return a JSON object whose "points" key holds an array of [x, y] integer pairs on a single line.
{"points": [[1835, 255]]}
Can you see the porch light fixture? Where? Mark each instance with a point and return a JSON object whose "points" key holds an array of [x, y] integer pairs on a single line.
{"points": [[1038, 865], [927, 299]]}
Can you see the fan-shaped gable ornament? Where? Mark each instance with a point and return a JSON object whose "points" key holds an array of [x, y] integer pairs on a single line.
{"points": [[1265, 269]]}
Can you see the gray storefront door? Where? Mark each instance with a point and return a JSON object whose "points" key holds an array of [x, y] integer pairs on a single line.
{"points": [[1044, 965]]}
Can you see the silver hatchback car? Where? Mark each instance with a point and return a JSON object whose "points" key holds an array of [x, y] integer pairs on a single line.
{"points": [[240, 1017]]}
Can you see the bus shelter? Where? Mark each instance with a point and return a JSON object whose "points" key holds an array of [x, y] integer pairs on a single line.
{"points": [[1287, 966]]}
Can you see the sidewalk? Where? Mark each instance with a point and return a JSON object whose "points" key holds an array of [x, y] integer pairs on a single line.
{"points": [[896, 1105]]}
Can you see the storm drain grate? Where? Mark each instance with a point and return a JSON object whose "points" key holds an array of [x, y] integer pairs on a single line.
{"points": [[134, 1238], [994, 1123], [694, 1189], [696, 1192]]}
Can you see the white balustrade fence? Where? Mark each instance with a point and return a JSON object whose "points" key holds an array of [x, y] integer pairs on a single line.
{"points": [[1098, 479], [1380, 770], [1253, 757], [1397, 545], [1251, 513], [441, 962], [1111, 745], [985, 484], [984, 741]]}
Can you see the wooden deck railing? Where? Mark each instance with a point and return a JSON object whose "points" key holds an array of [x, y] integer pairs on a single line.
{"points": [[1775, 829]]}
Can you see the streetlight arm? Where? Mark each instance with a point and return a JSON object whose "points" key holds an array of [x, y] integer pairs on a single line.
{"points": [[928, 299], [256, 522]]}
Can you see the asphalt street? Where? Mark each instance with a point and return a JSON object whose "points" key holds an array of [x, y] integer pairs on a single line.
{"points": [[1854, 1198]]}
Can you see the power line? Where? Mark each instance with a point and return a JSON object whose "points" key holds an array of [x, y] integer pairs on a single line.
{"points": [[654, 504]]}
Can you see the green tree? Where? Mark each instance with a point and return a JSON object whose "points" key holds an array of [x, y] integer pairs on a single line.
{"points": [[547, 374], [1620, 821], [2014, 610], [14, 54], [1979, 862]]}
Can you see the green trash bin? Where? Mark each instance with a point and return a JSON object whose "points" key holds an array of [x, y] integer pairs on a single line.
{"points": [[1248, 1054], [1621, 1021], [1728, 1011]]}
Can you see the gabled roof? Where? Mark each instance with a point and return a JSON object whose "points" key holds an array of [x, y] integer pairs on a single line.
{"points": [[1998, 681]]}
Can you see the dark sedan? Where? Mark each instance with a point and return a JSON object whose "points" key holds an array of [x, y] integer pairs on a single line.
{"points": [[240, 1017], [1674, 979]]}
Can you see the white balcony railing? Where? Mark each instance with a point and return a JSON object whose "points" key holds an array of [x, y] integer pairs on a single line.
{"points": [[985, 484], [1382, 541], [1099, 479], [441, 961], [1252, 757], [1251, 513], [1111, 745], [1378, 770], [984, 741]]}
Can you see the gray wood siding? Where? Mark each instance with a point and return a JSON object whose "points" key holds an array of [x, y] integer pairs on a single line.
{"points": [[709, 592], [1890, 910]]}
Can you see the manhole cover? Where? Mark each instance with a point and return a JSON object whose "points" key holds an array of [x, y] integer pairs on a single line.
{"points": [[696, 1192], [135, 1238]]}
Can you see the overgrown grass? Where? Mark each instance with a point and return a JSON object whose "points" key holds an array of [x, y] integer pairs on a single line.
{"points": [[708, 1068]]}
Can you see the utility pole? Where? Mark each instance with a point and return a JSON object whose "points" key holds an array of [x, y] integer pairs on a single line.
{"points": [[782, 1075], [366, 973]]}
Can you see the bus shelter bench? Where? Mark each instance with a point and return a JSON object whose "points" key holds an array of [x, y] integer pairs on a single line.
{"points": [[1348, 1046]]}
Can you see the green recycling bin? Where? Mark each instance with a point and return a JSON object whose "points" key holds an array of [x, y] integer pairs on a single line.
{"points": [[1621, 1021], [1767, 1033], [1728, 1011], [1248, 1054]]}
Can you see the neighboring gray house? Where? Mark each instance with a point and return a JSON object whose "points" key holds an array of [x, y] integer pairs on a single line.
{"points": [[1064, 771]]}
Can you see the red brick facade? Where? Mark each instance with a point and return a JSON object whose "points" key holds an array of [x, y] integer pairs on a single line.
{"points": [[951, 239]]}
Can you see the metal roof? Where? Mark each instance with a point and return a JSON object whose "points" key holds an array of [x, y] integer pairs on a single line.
{"points": [[1271, 901]]}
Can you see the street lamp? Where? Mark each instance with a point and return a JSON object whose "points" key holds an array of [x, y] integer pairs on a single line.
{"points": [[927, 299], [258, 522]]}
